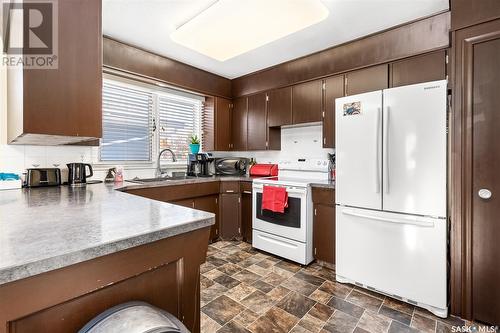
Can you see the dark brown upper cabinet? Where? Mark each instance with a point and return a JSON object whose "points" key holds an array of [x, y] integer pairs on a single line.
{"points": [[425, 68], [466, 13], [279, 107], [223, 124], [239, 122], [62, 105], [367, 79], [257, 122], [334, 88], [306, 102]]}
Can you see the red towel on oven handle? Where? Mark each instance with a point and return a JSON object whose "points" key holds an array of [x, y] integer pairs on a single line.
{"points": [[274, 199]]}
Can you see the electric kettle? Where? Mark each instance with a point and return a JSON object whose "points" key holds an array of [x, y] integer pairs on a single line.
{"points": [[77, 175]]}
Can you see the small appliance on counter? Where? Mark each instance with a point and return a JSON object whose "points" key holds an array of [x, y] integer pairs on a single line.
{"points": [[110, 176], [77, 175], [40, 177], [264, 170], [231, 166], [200, 165]]}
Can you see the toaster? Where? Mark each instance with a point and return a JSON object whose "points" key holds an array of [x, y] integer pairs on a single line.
{"points": [[43, 177]]}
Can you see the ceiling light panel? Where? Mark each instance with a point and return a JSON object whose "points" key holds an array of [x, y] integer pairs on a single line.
{"points": [[229, 28]]}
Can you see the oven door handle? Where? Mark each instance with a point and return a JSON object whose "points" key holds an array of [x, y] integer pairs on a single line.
{"points": [[259, 188]]}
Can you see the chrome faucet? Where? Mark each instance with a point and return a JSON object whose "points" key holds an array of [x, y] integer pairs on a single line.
{"points": [[159, 171]]}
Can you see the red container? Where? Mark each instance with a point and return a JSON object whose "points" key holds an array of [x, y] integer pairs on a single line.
{"points": [[264, 170]]}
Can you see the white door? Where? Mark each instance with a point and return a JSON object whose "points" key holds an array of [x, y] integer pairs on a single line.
{"points": [[414, 149], [358, 136], [397, 254]]}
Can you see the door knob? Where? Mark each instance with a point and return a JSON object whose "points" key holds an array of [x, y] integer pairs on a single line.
{"points": [[484, 193]]}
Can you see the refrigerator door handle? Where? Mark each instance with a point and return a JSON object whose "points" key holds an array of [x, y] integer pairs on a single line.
{"points": [[386, 150], [377, 152], [407, 221]]}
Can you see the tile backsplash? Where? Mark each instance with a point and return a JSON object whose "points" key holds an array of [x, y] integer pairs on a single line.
{"points": [[296, 142]]}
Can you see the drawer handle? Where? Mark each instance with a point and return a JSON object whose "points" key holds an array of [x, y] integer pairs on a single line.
{"points": [[247, 192], [229, 191]]}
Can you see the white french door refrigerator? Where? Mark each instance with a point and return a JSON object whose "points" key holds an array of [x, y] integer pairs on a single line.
{"points": [[391, 227]]}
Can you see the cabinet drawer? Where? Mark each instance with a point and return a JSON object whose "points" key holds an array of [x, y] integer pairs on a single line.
{"points": [[246, 187], [325, 196], [229, 187]]}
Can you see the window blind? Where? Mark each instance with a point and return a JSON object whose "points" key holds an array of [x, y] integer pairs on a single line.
{"points": [[127, 123], [179, 118]]}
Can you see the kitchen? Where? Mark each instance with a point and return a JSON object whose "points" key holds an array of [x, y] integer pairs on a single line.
{"points": [[181, 176]]}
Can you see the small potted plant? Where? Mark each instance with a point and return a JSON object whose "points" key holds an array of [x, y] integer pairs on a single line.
{"points": [[194, 144]]}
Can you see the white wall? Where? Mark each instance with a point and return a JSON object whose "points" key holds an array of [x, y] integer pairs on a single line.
{"points": [[300, 142], [17, 158]]}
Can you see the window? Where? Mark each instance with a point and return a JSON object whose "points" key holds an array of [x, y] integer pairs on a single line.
{"points": [[179, 118], [126, 123], [139, 121]]}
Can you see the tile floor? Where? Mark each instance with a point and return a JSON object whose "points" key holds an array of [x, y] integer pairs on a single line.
{"points": [[244, 290]]}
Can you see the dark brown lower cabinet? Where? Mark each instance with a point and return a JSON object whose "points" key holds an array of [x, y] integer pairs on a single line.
{"points": [[229, 210], [64, 300], [324, 224], [185, 203], [246, 211], [324, 233], [210, 204]]}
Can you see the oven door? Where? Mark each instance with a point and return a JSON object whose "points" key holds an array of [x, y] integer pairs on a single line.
{"points": [[290, 224]]}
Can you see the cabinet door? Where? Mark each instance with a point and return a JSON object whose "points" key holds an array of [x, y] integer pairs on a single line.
{"points": [[324, 233], [239, 121], [429, 67], [230, 216], [334, 88], [246, 212], [477, 86], [185, 203], [257, 122], [68, 100], [222, 124], [279, 107], [210, 204], [366, 80], [306, 102]]}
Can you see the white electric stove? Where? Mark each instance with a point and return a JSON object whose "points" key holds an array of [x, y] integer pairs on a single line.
{"points": [[289, 234]]}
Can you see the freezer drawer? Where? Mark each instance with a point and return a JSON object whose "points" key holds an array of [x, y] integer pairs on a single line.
{"points": [[397, 254], [283, 247]]}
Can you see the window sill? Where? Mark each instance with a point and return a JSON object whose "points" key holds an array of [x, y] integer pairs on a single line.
{"points": [[104, 166]]}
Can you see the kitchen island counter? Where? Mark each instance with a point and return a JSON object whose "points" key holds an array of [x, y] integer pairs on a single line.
{"points": [[68, 254], [43, 229]]}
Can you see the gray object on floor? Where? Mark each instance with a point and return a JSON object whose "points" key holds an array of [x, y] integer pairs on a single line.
{"points": [[134, 317]]}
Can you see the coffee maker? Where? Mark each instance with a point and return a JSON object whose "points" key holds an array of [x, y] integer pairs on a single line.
{"points": [[200, 165]]}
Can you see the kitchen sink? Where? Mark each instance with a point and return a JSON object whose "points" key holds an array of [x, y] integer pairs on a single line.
{"points": [[158, 179]]}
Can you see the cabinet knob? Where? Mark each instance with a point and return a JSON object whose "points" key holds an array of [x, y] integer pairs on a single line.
{"points": [[484, 193]]}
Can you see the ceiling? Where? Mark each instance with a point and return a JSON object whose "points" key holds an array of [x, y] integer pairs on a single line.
{"points": [[149, 23]]}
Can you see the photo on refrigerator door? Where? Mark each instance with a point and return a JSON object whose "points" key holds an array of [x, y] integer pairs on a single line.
{"points": [[352, 109]]}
